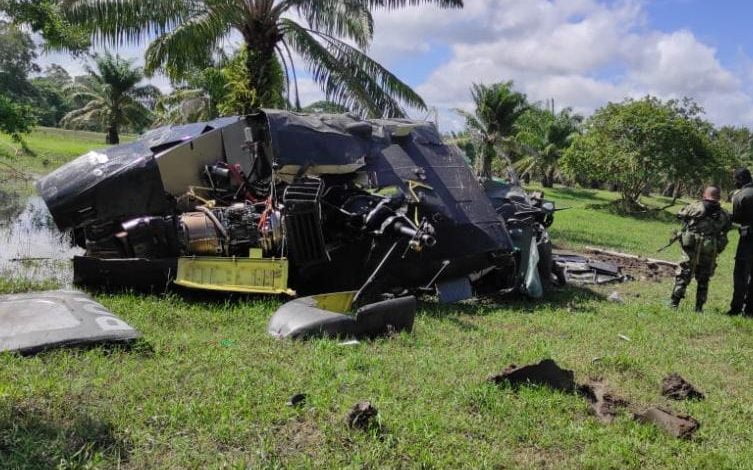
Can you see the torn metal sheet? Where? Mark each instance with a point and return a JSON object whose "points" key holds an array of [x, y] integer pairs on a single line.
{"points": [[42, 320], [579, 269]]}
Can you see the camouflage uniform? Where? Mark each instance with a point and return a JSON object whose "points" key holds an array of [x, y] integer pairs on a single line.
{"points": [[703, 237]]}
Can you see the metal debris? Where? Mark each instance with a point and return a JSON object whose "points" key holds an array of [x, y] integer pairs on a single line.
{"points": [[38, 321]]}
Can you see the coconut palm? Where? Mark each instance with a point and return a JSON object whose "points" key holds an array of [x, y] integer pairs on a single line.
{"points": [[498, 107], [110, 95], [328, 36], [542, 137]]}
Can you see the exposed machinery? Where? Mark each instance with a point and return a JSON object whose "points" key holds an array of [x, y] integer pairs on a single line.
{"points": [[280, 202]]}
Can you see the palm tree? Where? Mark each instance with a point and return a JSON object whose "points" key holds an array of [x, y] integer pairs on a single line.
{"points": [[498, 107], [111, 97], [543, 136], [319, 31], [197, 98]]}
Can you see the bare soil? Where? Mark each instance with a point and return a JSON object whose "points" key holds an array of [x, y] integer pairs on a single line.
{"points": [[638, 268]]}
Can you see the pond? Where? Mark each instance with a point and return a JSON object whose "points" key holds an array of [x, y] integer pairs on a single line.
{"points": [[32, 249]]}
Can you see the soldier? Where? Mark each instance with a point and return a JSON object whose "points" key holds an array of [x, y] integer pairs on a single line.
{"points": [[742, 214], [703, 237]]}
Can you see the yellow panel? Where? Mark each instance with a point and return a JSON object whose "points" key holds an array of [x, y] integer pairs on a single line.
{"points": [[248, 275], [339, 302]]}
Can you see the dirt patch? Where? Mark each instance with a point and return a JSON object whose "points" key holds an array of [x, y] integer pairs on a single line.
{"points": [[298, 436], [546, 373], [604, 404], [636, 267], [678, 425], [677, 388]]}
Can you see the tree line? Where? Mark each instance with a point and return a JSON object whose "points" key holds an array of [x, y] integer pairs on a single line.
{"points": [[185, 40], [636, 146]]}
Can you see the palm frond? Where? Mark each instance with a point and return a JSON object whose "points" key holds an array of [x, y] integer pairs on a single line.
{"points": [[338, 84], [295, 75], [115, 22], [392, 4], [364, 76], [187, 45], [350, 19], [471, 121]]}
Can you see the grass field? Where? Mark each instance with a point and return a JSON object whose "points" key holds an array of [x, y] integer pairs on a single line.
{"points": [[207, 387], [49, 147]]}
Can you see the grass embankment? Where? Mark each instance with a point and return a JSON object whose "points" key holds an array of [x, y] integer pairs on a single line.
{"points": [[208, 386], [50, 148]]}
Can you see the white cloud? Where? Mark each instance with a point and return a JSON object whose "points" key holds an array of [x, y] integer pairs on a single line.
{"points": [[582, 53]]}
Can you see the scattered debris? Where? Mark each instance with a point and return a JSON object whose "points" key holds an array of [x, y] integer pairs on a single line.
{"points": [[599, 266], [362, 415], [604, 403], [546, 372], [677, 388], [299, 399], [678, 425], [635, 267], [580, 269], [623, 337], [615, 297]]}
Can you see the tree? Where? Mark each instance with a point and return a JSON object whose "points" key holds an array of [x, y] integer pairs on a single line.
{"points": [[51, 101], [17, 56], [637, 144], [46, 17], [543, 137], [324, 106], [111, 96], [498, 107], [319, 31], [740, 141]]}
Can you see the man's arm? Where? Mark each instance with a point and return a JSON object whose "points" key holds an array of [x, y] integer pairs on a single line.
{"points": [[737, 210]]}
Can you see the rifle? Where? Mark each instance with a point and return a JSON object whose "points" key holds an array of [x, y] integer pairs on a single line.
{"points": [[672, 241]]}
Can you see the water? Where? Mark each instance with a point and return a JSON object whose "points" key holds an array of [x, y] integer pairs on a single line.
{"points": [[32, 249]]}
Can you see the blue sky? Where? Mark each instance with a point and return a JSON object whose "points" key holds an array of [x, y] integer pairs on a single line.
{"points": [[581, 53]]}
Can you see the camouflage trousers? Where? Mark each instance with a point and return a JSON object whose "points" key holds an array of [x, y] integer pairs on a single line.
{"points": [[702, 271]]}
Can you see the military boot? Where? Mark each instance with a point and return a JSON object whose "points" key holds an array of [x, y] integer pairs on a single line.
{"points": [[702, 293]]}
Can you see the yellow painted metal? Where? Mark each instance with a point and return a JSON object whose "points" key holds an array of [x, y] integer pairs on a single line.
{"points": [[247, 275], [339, 302]]}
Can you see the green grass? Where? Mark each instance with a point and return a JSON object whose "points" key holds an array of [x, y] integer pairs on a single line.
{"points": [[50, 148], [206, 388]]}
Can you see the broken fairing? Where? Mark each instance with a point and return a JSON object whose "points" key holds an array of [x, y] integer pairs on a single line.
{"points": [[280, 202], [37, 321]]}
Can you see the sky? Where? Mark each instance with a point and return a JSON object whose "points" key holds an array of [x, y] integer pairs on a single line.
{"points": [[579, 53]]}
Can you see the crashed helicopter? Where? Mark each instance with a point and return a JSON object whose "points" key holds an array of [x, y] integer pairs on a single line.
{"points": [[279, 202]]}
